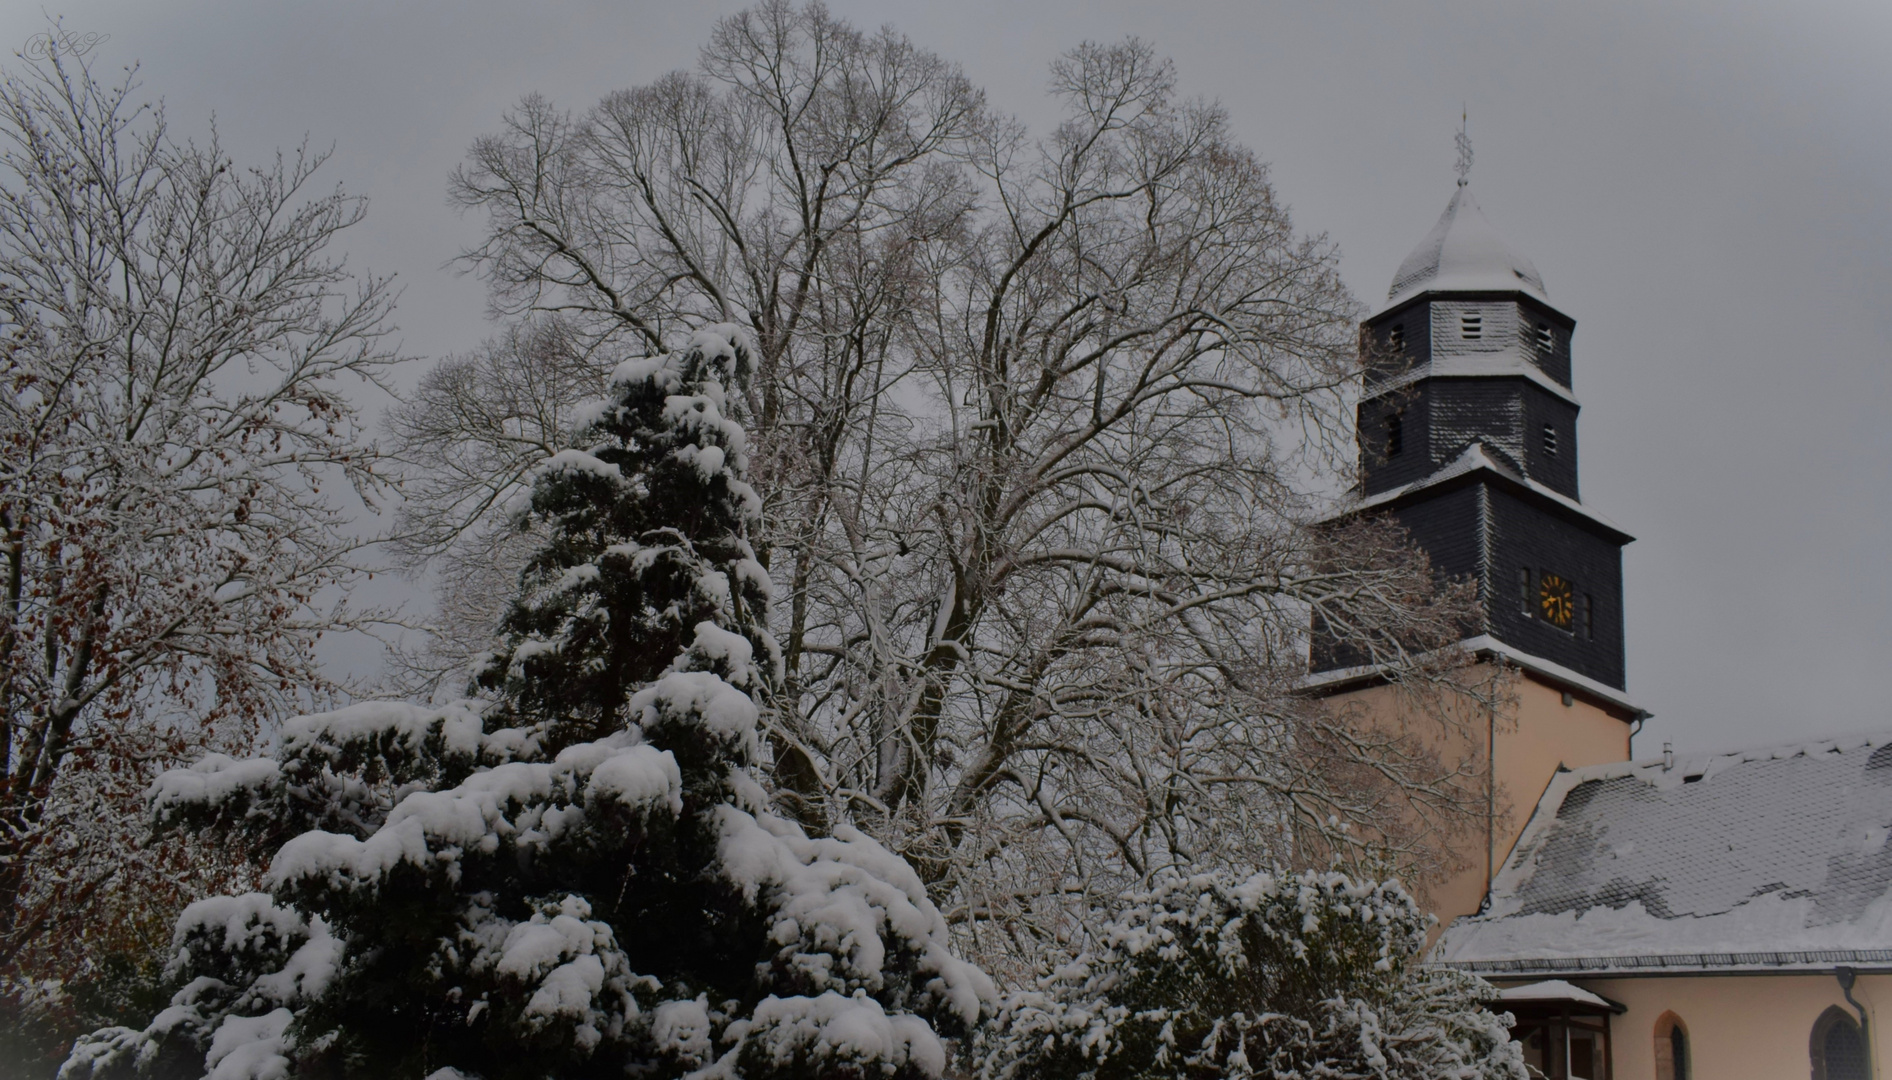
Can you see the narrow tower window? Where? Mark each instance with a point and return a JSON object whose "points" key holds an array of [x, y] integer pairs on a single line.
{"points": [[1671, 1049], [1550, 440], [1396, 339], [1471, 327], [1589, 617], [1546, 340], [1524, 589], [1395, 435]]}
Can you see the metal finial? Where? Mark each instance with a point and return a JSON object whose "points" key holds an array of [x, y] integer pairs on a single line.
{"points": [[1464, 141]]}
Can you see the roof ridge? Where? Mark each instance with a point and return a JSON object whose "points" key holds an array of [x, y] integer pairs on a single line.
{"points": [[1763, 752]]}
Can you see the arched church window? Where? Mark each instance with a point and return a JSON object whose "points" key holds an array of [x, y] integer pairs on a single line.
{"points": [[1395, 435], [1671, 1049], [1837, 1050]]}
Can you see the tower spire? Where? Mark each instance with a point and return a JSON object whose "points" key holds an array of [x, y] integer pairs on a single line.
{"points": [[1464, 142]]}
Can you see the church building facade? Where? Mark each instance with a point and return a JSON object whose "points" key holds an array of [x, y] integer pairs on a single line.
{"points": [[1726, 917]]}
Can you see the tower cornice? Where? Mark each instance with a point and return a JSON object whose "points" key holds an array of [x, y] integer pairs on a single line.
{"points": [[1535, 300], [1477, 463], [1469, 367]]}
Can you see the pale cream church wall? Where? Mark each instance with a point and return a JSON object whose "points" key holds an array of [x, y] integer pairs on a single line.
{"points": [[1739, 1026], [1548, 734], [1540, 734]]}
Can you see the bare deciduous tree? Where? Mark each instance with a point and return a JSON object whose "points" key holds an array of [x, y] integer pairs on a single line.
{"points": [[1036, 422], [174, 346]]}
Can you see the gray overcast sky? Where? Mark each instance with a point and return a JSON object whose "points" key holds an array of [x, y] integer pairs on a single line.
{"points": [[1706, 188]]}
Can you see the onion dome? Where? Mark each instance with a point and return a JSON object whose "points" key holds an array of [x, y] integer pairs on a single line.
{"points": [[1464, 253]]}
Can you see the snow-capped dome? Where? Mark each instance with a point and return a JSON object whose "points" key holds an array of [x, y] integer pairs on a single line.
{"points": [[1464, 252]]}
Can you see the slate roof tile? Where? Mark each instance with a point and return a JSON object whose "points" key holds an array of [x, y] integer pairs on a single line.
{"points": [[1776, 852]]}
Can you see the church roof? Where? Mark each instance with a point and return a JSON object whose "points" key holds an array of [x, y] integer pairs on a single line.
{"points": [[1464, 253], [1477, 459], [1771, 859]]}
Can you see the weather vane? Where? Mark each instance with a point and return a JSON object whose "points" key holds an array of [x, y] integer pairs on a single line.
{"points": [[1464, 148]]}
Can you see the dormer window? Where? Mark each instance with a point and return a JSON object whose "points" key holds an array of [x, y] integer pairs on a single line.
{"points": [[1546, 340], [1550, 440], [1395, 435], [1471, 327]]}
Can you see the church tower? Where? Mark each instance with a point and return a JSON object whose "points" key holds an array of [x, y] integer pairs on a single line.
{"points": [[1468, 437]]}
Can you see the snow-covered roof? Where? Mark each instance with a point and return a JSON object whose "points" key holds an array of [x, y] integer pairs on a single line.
{"points": [[1463, 252], [1473, 365], [1475, 458], [1771, 859], [1555, 672], [1485, 645], [1554, 990]]}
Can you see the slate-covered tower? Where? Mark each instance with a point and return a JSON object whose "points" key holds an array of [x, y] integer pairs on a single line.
{"points": [[1468, 435]]}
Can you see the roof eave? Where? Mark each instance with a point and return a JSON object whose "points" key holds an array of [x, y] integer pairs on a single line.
{"points": [[1458, 473], [1427, 294], [1484, 646], [1444, 369], [1652, 965]]}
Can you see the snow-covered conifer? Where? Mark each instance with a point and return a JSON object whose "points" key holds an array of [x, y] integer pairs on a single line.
{"points": [[582, 879], [647, 525], [1282, 976]]}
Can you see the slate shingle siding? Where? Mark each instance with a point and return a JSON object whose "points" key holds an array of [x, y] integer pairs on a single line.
{"points": [[1435, 327], [1441, 417], [1436, 526], [1525, 536], [1387, 358], [1380, 470], [1480, 528], [1447, 528], [1498, 328], [1557, 471], [1531, 315]]}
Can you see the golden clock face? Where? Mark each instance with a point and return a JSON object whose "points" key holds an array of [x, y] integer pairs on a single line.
{"points": [[1555, 597]]}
